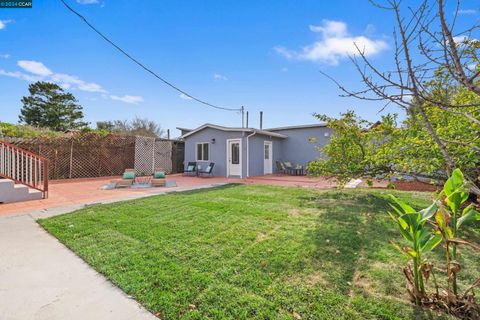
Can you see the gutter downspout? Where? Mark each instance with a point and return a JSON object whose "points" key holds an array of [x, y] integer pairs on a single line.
{"points": [[248, 155]]}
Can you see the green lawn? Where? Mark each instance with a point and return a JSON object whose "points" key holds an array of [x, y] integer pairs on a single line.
{"points": [[251, 252]]}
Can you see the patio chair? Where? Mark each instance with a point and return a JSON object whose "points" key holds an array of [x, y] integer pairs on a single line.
{"points": [[208, 170], [158, 179], [280, 167], [127, 179], [191, 169]]}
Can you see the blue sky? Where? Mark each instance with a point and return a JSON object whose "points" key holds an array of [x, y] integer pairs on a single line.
{"points": [[264, 55]]}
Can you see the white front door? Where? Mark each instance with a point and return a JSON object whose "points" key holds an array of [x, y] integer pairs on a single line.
{"points": [[234, 157], [267, 157]]}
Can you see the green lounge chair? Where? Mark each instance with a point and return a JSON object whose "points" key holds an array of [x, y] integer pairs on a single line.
{"points": [[127, 179]]}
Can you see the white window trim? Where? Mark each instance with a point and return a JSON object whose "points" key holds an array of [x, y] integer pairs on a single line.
{"points": [[196, 151]]}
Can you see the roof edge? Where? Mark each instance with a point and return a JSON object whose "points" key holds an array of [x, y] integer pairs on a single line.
{"points": [[222, 128], [316, 125]]}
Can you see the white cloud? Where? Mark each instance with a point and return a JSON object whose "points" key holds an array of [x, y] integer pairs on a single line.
{"points": [[37, 71], [467, 11], [217, 76], [335, 44], [4, 56], [460, 39], [330, 28], [66, 81], [184, 97], [87, 1], [73, 82], [20, 75], [3, 23], [127, 99], [34, 67]]}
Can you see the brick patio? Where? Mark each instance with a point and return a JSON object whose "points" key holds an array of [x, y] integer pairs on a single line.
{"points": [[82, 191]]}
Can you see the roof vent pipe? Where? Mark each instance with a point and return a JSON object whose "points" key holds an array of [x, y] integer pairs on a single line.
{"points": [[261, 120], [247, 120]]}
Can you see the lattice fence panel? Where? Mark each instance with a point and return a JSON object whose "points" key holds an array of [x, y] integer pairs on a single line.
{"points": [[144, 155], [82, 155], [163, 155], [151, 154]]}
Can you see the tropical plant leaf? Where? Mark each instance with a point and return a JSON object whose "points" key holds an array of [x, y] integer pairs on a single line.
{"points": [[456, 190], [405, 207], [455, 181], [434, 241], [405, 233], [469, 214], [412, 220], [412, 253], [429, 212], [442, 218], [423, 235]]}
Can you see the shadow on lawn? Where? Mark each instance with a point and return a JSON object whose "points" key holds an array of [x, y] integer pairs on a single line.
{"points": [[347, 231], [205, 190], [352, 234]]}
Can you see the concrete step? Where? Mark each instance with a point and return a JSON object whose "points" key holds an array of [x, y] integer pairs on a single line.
{"points": [[34, 194], [11, 192], [6, 184]]}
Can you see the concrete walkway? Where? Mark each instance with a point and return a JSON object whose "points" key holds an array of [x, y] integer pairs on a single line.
{"points": [[41, 279]]}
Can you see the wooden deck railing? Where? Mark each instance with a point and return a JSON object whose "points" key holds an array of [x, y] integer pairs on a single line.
{"points": [[24, 167]]}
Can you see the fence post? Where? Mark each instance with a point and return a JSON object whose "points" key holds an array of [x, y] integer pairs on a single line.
{"points": [[153, 156], [71, 160]]}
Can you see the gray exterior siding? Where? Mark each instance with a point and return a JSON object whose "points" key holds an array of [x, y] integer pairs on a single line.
{"points": [[256, 164], [298, 149], [217, 150]]}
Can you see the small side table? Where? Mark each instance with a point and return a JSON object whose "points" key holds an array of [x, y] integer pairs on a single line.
{"points": [[143, 180], [298, 171]]}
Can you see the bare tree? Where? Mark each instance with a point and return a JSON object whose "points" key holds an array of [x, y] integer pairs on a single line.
{"points": [[137, 127], [425, 42]]}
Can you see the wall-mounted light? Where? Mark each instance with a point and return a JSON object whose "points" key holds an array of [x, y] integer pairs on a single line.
{"points": [[213, 140]]}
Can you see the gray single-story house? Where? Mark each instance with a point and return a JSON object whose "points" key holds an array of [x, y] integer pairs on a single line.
{"points": [[246, 152]]}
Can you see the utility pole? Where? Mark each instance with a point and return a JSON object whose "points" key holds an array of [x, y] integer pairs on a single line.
{"points": [[243, 120]]}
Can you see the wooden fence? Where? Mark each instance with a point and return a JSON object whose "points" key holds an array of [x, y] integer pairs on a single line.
{"points": [[92, 155]]}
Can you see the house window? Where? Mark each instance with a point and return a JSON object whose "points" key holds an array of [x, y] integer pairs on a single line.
{"points": [[202, 151], [235, 153]]}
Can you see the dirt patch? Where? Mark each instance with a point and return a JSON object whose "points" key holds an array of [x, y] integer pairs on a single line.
{"points": [[313, 279], [297, 212], [261, 237], [359, 281], [415, 186]]}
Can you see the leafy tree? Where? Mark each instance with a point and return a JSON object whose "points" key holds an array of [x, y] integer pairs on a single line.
{"points": [[49, 106], [24, 131], [361, 149], [435, 79], [137, 127]]}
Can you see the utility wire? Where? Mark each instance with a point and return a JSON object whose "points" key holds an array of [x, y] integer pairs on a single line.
{"points": [[168, 83]]}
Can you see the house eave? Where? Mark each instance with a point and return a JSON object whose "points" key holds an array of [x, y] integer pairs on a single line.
{"points": [[231, 129], [316, 125]]}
